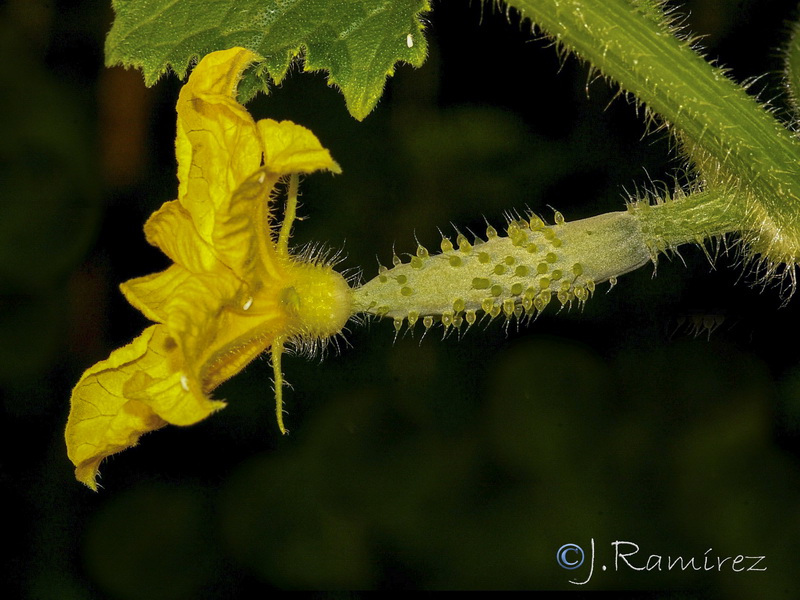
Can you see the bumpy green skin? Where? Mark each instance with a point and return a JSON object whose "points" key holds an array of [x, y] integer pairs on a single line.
{"points": [[511, 276], [733, 141]]}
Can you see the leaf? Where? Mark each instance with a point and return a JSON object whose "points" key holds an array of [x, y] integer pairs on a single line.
{"points": [[358, 42]]}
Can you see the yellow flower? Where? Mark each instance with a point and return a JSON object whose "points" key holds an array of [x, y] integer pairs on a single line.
{"points": [[234, 290]]}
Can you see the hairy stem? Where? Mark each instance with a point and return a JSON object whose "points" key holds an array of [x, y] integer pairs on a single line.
{"points": [[690, 219]]}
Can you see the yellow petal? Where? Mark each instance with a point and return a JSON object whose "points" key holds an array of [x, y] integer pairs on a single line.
{"points": [[243, 342], [195, 308], [217, 144], [291, 148], [130, 393], [220, 328], [242, 236], [101, 420], [171, 228], [151, 293], [233, 290], [176, 396]]}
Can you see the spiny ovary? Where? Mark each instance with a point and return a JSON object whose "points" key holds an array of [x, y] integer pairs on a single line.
{"points": [[514, 275]]}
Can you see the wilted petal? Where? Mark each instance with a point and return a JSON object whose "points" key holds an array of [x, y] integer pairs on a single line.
{"points": [[291, 148], [171, 228], [220, 328], [195, 310], [109, 413], [233, 291], [217, 143], [151, 294], [242, 237]]}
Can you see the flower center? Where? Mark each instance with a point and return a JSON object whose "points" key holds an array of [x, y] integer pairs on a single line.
{"points": [[319, 302]]}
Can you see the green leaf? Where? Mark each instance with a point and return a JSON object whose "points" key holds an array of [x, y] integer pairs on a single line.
{"points": [[357, 41]]}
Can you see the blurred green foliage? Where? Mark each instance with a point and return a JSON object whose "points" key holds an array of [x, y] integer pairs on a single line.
{"points": [[415, 464], [50, 203]]}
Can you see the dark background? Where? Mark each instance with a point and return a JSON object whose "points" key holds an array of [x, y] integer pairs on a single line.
{"points": [[428, 464]]}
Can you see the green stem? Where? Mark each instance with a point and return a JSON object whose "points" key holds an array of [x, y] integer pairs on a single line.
{"points": [[732, 139], [691, 219]]}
